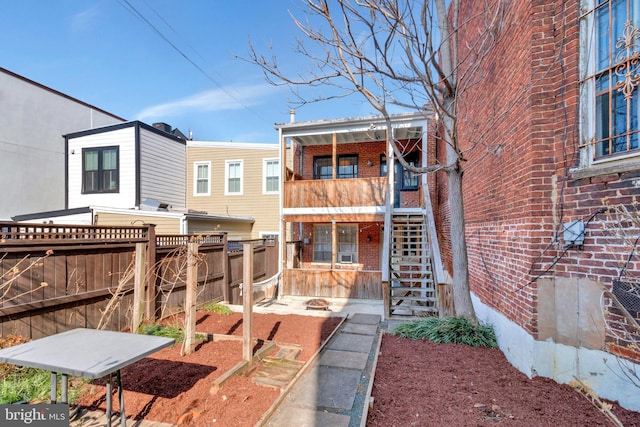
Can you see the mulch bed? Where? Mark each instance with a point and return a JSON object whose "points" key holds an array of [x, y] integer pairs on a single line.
{"points": [[421, 383]]}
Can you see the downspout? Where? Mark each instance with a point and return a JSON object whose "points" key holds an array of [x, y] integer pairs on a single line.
{"points": [[282, 250]]}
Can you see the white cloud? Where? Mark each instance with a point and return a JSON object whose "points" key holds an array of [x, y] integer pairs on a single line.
{"points": [[85, 20], [221, 99]]}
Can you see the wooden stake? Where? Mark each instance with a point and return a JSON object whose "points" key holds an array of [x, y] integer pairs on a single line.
{"points": [[190, 299], [247, 301]]}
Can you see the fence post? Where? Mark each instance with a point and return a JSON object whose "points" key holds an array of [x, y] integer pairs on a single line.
{"points": [[226, 285], [150, 309], [190, 298], [138, 286], [247, 301]]}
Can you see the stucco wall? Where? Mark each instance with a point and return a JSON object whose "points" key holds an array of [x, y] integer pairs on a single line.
{"points": [[33, 120]]}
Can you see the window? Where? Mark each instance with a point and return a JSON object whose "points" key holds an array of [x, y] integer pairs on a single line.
{"points": [[100, 171], [233, 177], [271, 172], [610, 69], [383, 165], [347, 243], [202, 179], [410, 180], [322, 243], [347, 167], [322, 168]]}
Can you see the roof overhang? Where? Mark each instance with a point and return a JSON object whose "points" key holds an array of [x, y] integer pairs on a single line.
{"points": [[406, 126]]}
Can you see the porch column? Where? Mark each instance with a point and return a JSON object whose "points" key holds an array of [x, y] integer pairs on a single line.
{"points": [[334, 243], [334, 156]]}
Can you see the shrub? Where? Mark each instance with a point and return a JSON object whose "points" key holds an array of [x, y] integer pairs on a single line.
{"points": [[456, 330], [216, 307]]}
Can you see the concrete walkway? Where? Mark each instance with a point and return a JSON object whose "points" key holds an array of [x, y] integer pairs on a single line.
{"points": [[335, 387]]}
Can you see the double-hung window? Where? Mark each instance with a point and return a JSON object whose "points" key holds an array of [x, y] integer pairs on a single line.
{"points": [[347, 167], [610, 75], [202, 179], [347, 243], [271, 172], [233, 177], [322, 243], [100, 170]]}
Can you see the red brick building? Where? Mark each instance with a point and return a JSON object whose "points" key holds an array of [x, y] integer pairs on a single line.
{"points": [[551, 136]]}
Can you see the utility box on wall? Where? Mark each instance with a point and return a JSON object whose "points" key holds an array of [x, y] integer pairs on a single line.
{"points": [[574, 233]]}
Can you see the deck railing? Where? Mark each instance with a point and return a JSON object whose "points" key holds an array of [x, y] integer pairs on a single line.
{"points": [[335, 193]]}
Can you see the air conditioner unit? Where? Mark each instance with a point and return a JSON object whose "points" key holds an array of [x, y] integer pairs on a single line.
{"points": [[345, 258]]}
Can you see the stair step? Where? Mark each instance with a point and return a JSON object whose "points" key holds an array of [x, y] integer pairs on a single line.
{"points": [[412, 298], [409, 264], [406, 273], [412, 289], [412, 309]]}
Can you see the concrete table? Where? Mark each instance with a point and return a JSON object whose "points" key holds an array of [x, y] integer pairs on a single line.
{"points": [[88, 353]]}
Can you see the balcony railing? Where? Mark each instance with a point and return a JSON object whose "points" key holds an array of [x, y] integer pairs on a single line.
{"points": [[335, 193]]}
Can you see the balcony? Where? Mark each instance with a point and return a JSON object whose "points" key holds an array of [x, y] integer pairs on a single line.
{"points": [[335, 193]]}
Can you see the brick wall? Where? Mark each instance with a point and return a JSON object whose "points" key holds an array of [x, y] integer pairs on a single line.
{"points": [[517, 129], [520, 128], [367, 152]]}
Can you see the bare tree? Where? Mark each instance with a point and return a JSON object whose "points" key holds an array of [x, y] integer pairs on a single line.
{"points": [[400, 53]]}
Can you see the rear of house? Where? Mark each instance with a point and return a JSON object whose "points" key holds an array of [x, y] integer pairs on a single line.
{"points": [[343, 191], [125, 166], [228, 179]]}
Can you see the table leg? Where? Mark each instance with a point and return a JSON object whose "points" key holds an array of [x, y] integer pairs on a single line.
{"points": [[54, 387], [123, 418], [108, 402], [65, 388]]}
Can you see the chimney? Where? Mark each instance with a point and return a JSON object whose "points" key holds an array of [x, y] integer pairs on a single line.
{"points": [[292, 115], [163, 127]]}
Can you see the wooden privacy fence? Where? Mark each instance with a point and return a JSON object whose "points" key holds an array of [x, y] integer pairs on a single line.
{"points": [[58, 277]]}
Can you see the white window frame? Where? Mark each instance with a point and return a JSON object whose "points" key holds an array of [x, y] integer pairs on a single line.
{"points": [[588, 59], [196, 165], [265, 163], [227, 165]]}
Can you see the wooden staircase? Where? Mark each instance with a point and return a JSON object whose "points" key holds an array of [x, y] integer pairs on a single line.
{"points": [[411, 282]]}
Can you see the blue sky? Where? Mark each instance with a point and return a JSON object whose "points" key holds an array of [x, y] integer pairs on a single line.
{"points": [[102, 53]]}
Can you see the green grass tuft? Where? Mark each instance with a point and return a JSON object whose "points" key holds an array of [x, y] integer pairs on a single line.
{"points": [[456, 330], [216, 307], [169, 331], [32, 385]]}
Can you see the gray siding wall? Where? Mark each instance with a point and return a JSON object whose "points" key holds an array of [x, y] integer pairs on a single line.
{"points": [[162, 170]]}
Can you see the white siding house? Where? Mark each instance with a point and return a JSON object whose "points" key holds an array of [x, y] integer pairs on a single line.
{"points": [[125, 166]]}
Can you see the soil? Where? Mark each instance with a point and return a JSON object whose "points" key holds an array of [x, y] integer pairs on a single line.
{"points": [[416, 383], [419, 383]]}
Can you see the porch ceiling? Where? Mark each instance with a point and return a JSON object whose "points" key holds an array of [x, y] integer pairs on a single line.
{"points": [[356, 136]]}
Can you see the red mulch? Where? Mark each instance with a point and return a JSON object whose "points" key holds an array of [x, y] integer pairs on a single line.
{"points": [[416, 383], [425, 384], [169, 387]]}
